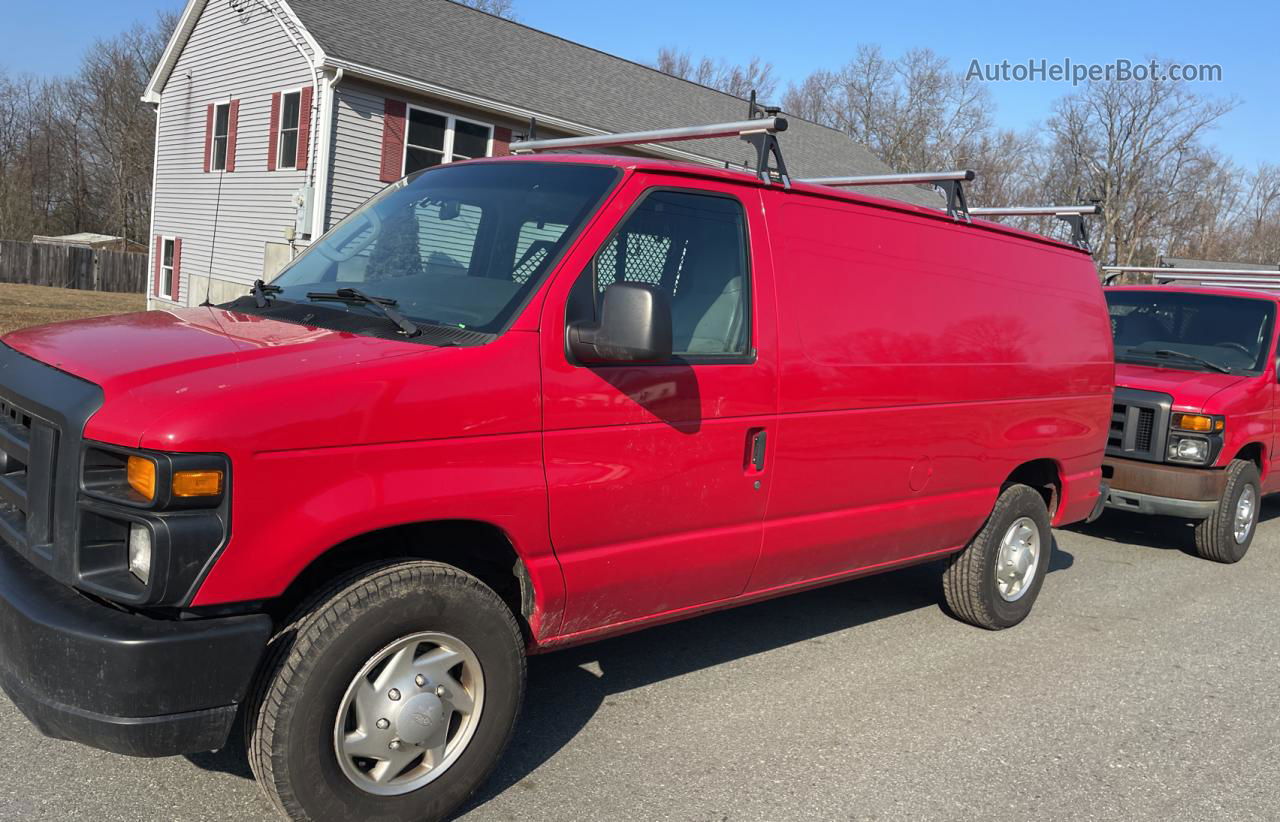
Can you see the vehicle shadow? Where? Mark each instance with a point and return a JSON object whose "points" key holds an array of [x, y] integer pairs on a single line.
{"points": [[1165, 533], [567, 688]]}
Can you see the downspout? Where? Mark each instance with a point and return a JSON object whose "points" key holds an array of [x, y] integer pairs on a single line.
{"points": [[324, 159], [151, 238]]}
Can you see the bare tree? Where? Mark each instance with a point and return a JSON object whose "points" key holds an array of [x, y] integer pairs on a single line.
{"points": [[1132, 145], [913, 111], [76, 153], [117, 128], [738, 80], [498, 8]]}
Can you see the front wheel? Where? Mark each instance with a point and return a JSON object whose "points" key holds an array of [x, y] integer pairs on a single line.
{"points": [[1227, 533], [391, 698], [995, 580]]}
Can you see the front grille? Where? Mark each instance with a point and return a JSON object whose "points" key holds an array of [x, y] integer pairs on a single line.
{"points": [[1139, 420], [28, 450]]}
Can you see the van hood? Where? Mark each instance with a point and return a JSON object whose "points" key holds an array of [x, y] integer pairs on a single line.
{"points": [[122, 352], [1189, 389], [196, 366]]}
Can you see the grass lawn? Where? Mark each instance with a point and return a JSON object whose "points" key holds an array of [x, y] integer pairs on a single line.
{"points": [[24, 305]]}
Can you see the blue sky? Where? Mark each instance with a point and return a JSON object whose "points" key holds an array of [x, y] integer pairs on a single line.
{"points": [[799, 37]]}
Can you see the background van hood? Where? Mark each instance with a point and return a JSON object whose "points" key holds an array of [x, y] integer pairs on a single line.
{"points": [[1190, 389]]}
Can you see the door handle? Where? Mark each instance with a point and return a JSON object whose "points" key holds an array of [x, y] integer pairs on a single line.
{"points": [[756, 439]]}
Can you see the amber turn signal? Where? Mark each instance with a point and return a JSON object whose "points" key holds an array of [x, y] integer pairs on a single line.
{"points": [[141, 474], [197, 483], [1197, 422]]}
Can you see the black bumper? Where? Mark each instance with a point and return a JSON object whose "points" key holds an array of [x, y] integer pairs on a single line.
{"points": [[84, 671]]}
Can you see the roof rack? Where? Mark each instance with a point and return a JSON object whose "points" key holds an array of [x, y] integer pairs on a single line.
{"points": [[760, 129], [1225, 277], [948, 181], [1071, 215]]}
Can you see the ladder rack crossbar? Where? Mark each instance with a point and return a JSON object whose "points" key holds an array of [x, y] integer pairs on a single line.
{"points": [[1207, 274], [740, 128], [926, 178], [1034, 211]]}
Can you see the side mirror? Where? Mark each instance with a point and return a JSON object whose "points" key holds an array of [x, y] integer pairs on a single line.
{"points": [[635, 326]]}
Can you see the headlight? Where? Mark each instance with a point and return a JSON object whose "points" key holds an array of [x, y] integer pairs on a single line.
{"points": [[1188, 449], [140, 551]]}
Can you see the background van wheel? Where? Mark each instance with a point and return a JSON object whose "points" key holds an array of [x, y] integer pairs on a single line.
{"points": [[995, 580], [391, 697], [1225, 536]]}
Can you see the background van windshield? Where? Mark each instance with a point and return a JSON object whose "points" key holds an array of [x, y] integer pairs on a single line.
{"points": [[459, 245], [1227, 332]]}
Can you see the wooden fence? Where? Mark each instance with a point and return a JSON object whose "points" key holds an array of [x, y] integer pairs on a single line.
{"points": [[69, 267]]}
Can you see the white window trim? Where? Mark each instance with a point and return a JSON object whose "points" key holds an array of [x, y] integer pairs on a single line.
{"points": [[297, 133], [166, 293], [451, 121], [213, 138]]}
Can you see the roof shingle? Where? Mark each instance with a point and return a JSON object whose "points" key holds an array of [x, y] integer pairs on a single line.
{"points": [[460, 48]]}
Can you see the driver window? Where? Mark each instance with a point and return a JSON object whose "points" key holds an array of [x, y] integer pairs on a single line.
{"points": [[692, 246]]}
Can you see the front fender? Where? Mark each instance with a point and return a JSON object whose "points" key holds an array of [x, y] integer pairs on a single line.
{"points": [[290, 507]]}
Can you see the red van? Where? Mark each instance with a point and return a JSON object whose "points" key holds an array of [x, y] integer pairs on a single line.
{"points": [[507, 406], [1194, 423]]}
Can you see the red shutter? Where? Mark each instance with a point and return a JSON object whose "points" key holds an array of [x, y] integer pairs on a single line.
{"points": [[233, 121], [274, 145], [393, 141], [159, 259], [501, 141], [208, 137], [304, 127], [177, 267]]}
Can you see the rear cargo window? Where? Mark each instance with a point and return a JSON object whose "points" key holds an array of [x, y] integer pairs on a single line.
{"points": [[694, 247]]}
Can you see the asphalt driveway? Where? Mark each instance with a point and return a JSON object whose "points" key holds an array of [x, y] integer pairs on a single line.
{"points": [[1144, 686]]}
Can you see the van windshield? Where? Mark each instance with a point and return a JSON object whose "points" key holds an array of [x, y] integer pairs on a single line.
{"points": [[461, 246], [1199, 332]]}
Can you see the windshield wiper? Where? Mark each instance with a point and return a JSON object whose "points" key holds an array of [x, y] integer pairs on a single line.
{"points": [[262, 292], [1169, 352], [383, 304]]}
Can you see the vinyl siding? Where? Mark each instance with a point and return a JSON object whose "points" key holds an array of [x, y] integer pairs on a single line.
{"points": [[228, 56]]}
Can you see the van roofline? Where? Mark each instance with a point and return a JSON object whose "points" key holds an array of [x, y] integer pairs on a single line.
{"points": [[748, 177]]}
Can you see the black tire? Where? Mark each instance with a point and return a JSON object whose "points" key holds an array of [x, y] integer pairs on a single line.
{"points": [[969, 583], [1215, 536], [312, 661]]}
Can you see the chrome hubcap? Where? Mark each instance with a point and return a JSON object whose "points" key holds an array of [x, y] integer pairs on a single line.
{"points": [[1017, 559], [409, 713], [1246, 508]]}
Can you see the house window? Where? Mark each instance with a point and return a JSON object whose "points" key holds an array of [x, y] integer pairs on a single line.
{"points": [[166, 267], [221, 132], [432, 139], [290, 109]]}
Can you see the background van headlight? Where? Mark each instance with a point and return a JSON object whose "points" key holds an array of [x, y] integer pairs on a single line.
{"points": [[1188, 449]]}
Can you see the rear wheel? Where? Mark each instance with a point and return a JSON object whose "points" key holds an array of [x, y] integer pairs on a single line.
{"points": [[1227, 533], [995, 580], [391, 698]]}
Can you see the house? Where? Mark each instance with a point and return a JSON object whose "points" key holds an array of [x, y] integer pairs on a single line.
{"points": [[276, 118], [91, 241], [1187, 262]]}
